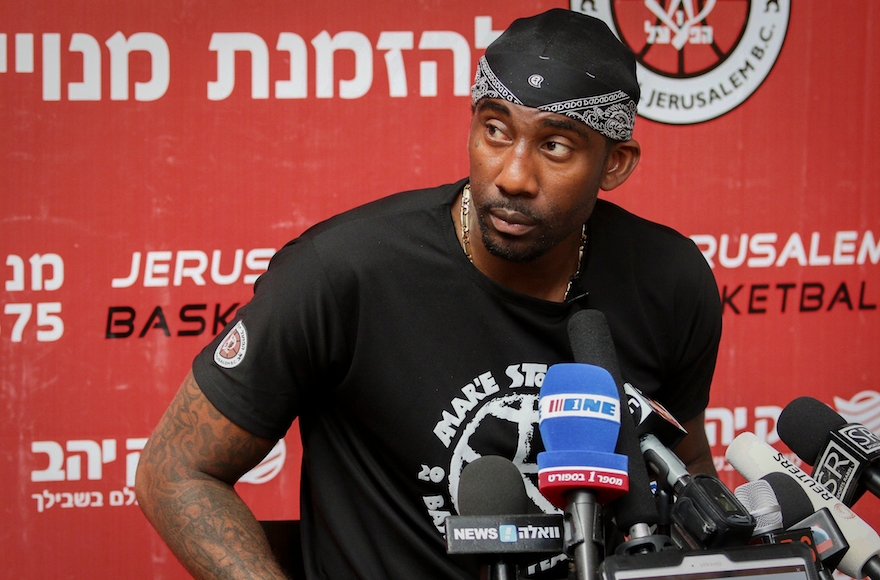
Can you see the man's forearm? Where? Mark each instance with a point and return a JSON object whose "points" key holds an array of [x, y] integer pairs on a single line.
{"points": [[210, 530], [184, 487]]}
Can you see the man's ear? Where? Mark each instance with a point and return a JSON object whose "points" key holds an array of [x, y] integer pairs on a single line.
{"points": [[620, 163]]}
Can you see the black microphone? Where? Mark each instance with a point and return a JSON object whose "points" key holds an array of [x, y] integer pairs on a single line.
{"points": [[591, 343], [798, 514], [843, 455], [706, 514], [760, 501], [494, 523], [651, 417]]}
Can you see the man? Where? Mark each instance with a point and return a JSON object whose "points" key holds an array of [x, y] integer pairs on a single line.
{"points": [[410, 336]]}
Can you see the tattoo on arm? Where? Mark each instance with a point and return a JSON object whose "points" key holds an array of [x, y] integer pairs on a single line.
{"points": [[185, 488]]}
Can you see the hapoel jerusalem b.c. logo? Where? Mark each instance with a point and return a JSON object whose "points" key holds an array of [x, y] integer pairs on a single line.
{"points": [[231, 350], [697, 59]]}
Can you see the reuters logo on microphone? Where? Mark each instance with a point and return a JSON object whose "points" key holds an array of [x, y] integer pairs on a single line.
{"points": [[696, 60]]}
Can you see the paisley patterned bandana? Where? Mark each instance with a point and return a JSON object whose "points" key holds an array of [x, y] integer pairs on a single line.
{"points": [[567, 63]]}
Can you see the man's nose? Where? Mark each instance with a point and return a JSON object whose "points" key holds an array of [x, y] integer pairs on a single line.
{"points": [[517, 175]]}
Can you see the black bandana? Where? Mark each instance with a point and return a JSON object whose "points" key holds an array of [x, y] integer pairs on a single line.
{"points": [[567, 63]]}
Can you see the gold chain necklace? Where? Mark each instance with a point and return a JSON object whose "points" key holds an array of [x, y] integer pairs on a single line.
{"points": [[464, 209]]}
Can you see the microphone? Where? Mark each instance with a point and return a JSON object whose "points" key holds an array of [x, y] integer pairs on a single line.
{"points": [[794, 503], [579, 420], [798, 517], [490, 486], [706, 513], [755, 459], [494, 523], [591, 343], [844, 455], [760, 501], [651, 417]]}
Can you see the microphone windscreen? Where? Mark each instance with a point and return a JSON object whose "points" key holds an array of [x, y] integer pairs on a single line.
{"points": [[793, 500], [804, 425], [760, 501], [492, 486], [591, 343], [579, 408]]}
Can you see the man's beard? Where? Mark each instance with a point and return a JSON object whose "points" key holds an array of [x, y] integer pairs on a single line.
{"points": [[520, 251]]}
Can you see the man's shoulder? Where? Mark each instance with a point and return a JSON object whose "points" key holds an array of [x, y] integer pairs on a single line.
{"points": [[614, 220], [387, 212]]}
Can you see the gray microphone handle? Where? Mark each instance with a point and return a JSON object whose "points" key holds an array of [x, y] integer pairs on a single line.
{"points": [[664, 462], [583, 516]]}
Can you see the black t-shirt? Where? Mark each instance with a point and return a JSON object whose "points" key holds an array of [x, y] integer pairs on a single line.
{"points": [[404, 363]]}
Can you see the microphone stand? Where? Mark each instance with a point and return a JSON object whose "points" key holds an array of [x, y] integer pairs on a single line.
{"points": [[499, 570], [583, 518]]}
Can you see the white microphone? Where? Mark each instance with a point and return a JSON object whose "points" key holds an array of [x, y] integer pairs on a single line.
{"points": [[754, 459]]}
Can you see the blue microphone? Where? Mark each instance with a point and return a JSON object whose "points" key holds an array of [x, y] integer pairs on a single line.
{"points": [[579, 422]]}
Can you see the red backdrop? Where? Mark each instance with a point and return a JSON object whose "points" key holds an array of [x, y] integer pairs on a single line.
{"points": [[155, 155]]}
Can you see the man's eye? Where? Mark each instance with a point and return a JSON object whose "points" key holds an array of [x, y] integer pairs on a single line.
{"points": [[556, 147]]}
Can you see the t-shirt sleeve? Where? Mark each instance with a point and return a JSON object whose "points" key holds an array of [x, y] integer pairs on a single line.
{"points": [[282, 349], [698, 334]]}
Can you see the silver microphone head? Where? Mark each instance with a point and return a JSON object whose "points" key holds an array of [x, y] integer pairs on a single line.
{"points": [[760, 501]]}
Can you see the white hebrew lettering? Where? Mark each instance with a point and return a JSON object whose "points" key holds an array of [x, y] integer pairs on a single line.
{"points": [[715, 417], [17, 282], [131, 459], [52, 67], [428, 78], [54, 471], [483, 33], [765, 423], [297, 86], [93, 459], [24, 52], [37, 262], [730, 422], [45, 500], [325, 47], [461, 57], [226, 44], [395, 43], [160, 60], [89, 89]]}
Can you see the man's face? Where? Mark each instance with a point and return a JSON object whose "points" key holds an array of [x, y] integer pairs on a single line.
{"points": [[534, 177]]}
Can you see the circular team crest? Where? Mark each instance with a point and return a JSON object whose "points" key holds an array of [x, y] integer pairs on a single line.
{"points": [[231, 350], [697, 59]]}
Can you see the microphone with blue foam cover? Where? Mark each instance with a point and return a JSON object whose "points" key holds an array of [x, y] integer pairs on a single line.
{"points": [[579, 423]]}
